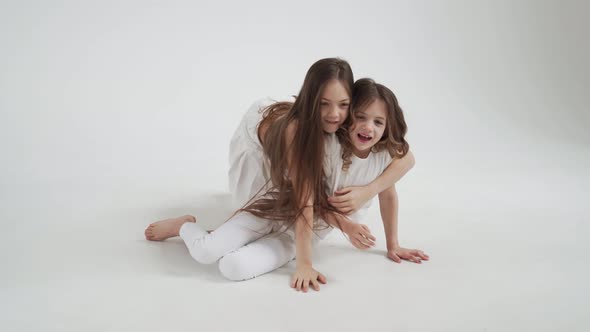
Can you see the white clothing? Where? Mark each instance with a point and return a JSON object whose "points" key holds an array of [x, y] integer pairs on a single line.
{"points": [[249, 173], [245, 246], [361, 172], [249, 169]]}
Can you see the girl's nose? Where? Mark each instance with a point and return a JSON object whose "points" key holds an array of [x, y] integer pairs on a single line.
{"points": [[366, 126], [334, 112]]}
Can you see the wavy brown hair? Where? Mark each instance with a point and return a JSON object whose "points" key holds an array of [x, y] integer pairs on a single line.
{"points": [[365, 92], [285, 200]]}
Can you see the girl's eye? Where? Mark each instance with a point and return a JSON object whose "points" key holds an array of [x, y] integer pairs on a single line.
{"points": [[324, 104], [344, 105], [379, 123]]}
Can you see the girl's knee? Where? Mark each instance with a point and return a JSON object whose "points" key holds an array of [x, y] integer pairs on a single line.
{"points": [[204, 255], [235, 268]]}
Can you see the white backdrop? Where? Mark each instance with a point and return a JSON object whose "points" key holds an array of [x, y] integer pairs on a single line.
{"points": [[117, 113]]}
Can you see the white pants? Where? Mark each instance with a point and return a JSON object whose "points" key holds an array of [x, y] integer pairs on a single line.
{"points": [[246, 246]]}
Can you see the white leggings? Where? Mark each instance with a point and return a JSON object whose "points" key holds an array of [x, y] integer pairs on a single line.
{"points": [[246, 246]]}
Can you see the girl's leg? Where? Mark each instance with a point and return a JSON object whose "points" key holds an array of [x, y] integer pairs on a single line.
{"points": [[207, 248], [259, 257], [165, 229]]}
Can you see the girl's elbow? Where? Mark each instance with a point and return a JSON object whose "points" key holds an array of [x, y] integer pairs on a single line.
{"points": [[411, 160]]}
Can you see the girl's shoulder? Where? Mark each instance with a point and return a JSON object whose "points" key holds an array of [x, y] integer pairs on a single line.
{"points": [[381, 159], [261, 110], [291, 130]]}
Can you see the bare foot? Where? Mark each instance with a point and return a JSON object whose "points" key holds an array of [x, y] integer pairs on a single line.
{"points": [[164, 229]]}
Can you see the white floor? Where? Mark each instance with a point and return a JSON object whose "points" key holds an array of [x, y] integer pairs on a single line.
{"points": [[508, 253]]}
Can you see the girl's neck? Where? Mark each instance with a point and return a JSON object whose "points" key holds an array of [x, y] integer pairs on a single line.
{"points": [[361, 154]]}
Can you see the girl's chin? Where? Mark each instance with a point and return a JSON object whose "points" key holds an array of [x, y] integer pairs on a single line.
{"points": [[331, 128]]}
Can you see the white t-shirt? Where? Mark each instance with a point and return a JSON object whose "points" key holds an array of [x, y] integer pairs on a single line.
{"points": [[360, 173]]}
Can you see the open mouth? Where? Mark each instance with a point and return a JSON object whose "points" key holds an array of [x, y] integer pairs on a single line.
{"points": [[364, 138], [333, 122]]}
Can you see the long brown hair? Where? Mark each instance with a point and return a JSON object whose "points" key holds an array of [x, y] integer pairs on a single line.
{"points": [[284, 201], [365, 92]]}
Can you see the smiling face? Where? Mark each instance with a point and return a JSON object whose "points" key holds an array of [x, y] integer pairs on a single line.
{"points": [[334, 104], [368, 128]]}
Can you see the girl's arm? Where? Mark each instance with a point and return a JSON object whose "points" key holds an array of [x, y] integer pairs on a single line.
{"points": [[350, 199], [359, 235], [388, 204], [305, 275]]}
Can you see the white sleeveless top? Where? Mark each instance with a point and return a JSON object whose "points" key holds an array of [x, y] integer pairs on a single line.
{"points": [[249, 171]]}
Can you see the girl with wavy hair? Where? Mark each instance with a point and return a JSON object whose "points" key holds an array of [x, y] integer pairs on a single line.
{"points": [[371, 138]]}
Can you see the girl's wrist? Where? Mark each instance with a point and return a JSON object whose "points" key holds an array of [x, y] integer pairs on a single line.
{"points": [[302, 264], [344, 226], [393, 246]]}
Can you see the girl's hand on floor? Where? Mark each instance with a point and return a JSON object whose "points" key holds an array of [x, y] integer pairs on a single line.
{"points": [[360, 236], [305, 276], [350, 199], [412, 255]]}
